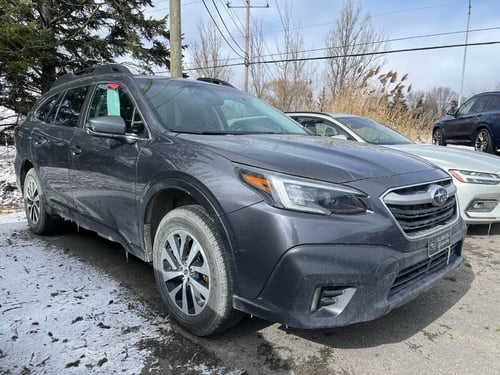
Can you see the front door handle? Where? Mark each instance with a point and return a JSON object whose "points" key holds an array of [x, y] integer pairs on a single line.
{"points": [[75, 150]]}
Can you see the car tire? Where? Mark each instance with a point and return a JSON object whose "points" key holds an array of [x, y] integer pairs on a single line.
{"points": [[483, 141], [39, 221], [437, 137], [192, 272]]}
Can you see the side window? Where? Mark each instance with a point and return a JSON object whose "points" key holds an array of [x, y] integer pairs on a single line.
{"points": [[322, 127], [47, 111], [112, 99], [480, 105], [466, 107], [71, 106], [493, 103]]}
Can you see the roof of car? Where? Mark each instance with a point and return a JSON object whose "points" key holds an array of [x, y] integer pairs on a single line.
{"points": [[331, 114], [117, 69]]}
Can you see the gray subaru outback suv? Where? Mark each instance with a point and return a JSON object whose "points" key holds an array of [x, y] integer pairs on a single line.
{"points": [[237, 208]]}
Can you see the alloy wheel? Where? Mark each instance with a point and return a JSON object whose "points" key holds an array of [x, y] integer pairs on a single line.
{"points": [[32, 197], [482, 142], [186, 273]]}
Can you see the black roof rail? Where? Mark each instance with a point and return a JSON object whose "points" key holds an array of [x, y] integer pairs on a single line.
{"points": [[96, 70], [217, 81]]}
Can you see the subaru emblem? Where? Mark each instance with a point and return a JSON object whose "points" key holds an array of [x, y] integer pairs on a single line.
{"points": [[439, 195]]}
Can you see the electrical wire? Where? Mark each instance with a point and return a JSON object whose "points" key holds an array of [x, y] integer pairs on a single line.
{"points": [[218, 28], [402, 50], [232, 15], [225, 26]]}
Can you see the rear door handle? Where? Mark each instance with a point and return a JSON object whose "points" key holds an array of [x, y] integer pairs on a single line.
{"points": [[40, 141]]}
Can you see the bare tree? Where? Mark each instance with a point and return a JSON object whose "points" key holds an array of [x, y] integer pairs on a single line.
{"points": [[440, 99], [291, 86], [258, 70], [208, 57], [351, 42]]}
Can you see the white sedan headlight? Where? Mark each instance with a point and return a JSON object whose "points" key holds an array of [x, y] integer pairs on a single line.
{"points": [[473, 177], [300, 194]]}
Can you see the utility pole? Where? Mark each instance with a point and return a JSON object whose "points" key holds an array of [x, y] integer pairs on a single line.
{"points": [[175, 39], [465, 56], [247, 34]]}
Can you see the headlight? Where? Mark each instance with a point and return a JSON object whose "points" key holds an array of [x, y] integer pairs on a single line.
{"points": [[301, 194], [473, 177]]}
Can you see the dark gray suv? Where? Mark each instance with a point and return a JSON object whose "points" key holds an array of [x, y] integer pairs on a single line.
{"points": [[238, 209]]}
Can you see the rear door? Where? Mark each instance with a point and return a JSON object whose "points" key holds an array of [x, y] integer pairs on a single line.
{"points": [[54, 126], [103, 169]]}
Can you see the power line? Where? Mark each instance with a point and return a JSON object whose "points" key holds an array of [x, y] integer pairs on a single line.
{"points": [[391, 40], [225, 26], [402, 50], [217, 26], [232, 16]]}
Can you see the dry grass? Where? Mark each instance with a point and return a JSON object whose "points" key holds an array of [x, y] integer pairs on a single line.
{"points": [[373, 100]]}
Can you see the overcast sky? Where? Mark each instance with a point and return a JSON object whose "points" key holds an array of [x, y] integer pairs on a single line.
{"points": [[394, 19]]}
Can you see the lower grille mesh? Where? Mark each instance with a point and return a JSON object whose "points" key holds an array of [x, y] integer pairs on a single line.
{"points": [[426, 267]]}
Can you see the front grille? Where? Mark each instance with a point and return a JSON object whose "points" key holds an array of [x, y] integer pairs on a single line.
{"points": [[426, 267], [414, 210]]}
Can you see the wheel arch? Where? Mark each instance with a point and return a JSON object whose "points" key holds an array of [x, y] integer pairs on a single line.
{"points": [[25, 166], [176, 191]]}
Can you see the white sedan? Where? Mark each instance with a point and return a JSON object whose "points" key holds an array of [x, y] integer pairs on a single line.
{"points": [[476, 175]]}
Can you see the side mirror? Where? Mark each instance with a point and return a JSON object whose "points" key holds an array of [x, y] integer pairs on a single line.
{"points": [[104, 125], [452, 112]]}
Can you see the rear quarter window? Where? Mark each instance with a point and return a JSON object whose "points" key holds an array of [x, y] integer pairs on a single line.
{"points": [[48, 109], [71, 106]]}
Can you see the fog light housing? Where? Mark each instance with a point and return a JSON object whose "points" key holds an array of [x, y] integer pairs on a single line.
{"points": [[482, 205], [332, 299]]}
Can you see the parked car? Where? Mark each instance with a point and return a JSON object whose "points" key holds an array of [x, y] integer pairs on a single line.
{"points": [[475, 123], [476, 175], [236, 207]]}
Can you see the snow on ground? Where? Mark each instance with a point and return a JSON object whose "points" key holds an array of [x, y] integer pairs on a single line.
{"points": [[58, 313], [10, 196]]}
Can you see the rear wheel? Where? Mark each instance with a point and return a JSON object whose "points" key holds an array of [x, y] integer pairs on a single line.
{"points": [[437, 137], [483, 141], [39, 221], [192, 272]]}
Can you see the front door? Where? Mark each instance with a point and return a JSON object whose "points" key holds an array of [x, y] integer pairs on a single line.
{"points": [[103, 172]]}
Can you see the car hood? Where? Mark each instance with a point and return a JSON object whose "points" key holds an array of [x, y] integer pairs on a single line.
{"points": [[310, 156], [453, 158]]}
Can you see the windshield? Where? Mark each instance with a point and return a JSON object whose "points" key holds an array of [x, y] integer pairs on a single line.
{"points": [[373, 132], [190, 106]]}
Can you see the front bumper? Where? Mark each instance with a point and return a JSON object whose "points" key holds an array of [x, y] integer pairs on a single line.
{"points": [[321, 286], [473, 197]]}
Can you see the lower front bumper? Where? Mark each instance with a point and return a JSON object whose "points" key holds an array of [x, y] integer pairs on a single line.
{"points": [[336, 285], [479, 204]]}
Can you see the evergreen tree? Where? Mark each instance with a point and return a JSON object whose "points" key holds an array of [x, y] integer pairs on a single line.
{"points": [[40, 39]]}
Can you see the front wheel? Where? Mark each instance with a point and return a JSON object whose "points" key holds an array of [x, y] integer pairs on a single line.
{"points": [[39, 221], [437, 137], [483, 141], [192, 271]]}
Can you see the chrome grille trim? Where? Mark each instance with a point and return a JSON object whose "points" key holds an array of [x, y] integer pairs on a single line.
{"points": [[415, 211]]}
